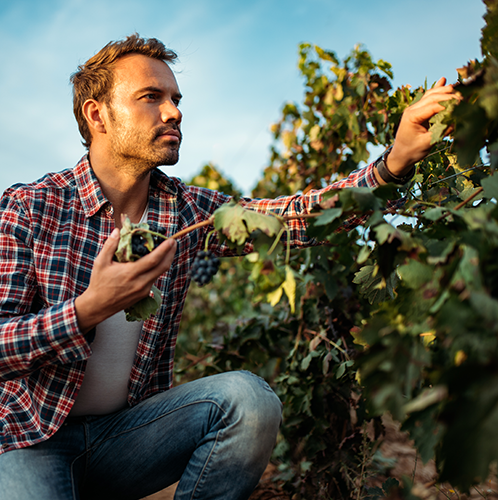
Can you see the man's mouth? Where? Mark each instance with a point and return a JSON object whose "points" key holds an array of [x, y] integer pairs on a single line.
{"points": [[169, 134]]}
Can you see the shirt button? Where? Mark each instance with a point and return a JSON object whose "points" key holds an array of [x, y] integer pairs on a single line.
{"points": [[109, 210], [5, 445]]}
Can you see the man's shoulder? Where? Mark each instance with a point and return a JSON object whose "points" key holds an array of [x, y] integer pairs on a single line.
{"points": [[52, 186], [53, 180]]}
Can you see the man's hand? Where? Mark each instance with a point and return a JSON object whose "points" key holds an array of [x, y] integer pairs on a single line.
{"points": [[413, 139], [114, 286]]}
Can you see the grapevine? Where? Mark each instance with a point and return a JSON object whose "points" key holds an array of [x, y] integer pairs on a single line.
{"points": [[412, 303], [400, 318]]}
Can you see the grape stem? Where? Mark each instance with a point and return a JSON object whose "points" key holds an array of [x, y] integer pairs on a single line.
{"points": [[302, 216], [462, 204], [207, 222], [210, 221], [206, 246], [277, 239]]}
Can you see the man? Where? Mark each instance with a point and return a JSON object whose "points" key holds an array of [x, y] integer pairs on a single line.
{"points": [[86, 404]]}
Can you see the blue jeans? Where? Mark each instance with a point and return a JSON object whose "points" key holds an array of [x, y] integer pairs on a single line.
{"points": [[214, 435]]}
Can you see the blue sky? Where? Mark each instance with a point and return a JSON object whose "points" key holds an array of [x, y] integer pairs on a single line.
{"points": [[238, 65]]}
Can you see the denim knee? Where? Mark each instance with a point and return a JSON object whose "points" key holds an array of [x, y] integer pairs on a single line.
{"points": [[252, 398]]}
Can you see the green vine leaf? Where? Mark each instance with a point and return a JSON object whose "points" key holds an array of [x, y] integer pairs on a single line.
{"points": [[146, 307], [236, 223], [416, 274], [490, 185], [373, 285], [439, 123]]}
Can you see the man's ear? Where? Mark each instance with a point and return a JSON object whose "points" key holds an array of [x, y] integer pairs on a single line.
{"points": [[95, 115]]}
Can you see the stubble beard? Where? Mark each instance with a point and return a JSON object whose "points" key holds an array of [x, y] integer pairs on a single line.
{"points": [[140, 152]]}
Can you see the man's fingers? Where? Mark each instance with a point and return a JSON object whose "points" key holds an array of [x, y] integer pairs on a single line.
{"points": [[438, 85], [430, 105], [157, 262], [441, 82], [153, 264], [441, 92], [163, 254]]}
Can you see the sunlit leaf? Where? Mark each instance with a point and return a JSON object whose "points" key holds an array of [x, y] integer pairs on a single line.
{"points": [[237, 223]]}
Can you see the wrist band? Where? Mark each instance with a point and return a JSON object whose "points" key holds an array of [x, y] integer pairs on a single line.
{"points": [[388, 176]]}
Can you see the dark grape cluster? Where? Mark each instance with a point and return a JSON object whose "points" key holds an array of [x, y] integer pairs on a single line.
{"points": [[138, 245], [204, 267], [157, 229], [138, 241]]}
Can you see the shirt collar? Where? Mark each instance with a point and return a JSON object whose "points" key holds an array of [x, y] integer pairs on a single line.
{"points": [[91, 195], [161, 182]]}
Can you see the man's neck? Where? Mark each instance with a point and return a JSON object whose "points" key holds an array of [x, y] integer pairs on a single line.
{"points": [[127, 192]]}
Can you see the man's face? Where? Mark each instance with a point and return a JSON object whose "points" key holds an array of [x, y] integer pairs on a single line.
{"points": [[144, 120]]}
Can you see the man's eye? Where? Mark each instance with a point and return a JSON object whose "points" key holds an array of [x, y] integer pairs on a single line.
{"points": [[150, 97]]}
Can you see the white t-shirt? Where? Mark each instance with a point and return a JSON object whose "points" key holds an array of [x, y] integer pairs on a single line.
{"points": [[105, 386]]}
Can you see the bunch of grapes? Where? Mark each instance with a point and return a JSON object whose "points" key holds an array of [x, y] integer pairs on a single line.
{"points": [[138, 246], [204, 267], [157, 229]]}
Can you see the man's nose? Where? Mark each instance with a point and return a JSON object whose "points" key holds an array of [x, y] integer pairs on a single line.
{"points": [[170, 113]]}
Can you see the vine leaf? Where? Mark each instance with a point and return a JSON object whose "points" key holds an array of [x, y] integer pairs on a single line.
{"points": [[146, 307], [439, 123], [426, 398], [373, 285], [236, 223], [329, 215], [416, 274], [473, 413], [288, 286], [490, 185], [424, 428]]}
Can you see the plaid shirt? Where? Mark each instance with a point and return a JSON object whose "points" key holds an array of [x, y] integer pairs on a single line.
{"points": [[50, 233]]}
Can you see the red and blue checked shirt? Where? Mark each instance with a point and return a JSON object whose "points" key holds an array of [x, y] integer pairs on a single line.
{"points": [[50, 233]]}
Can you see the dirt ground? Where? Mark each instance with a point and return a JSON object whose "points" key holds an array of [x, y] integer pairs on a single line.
{"points": [[265, 490], [167, 494], [397, 448], [397, 445]]}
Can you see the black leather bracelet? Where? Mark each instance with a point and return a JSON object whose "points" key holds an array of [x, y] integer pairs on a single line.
{"points": [[388, 176]]}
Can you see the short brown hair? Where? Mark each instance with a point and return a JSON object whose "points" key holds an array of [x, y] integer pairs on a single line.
{"points": [[95, 78]]}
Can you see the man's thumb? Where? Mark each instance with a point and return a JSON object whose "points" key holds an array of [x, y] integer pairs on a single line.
{"points": [[111, 244]]}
